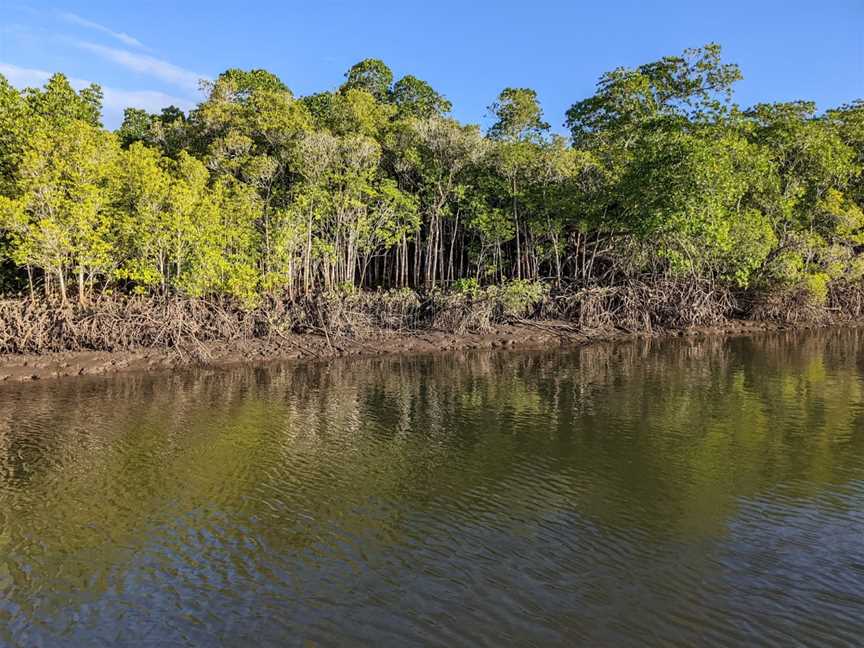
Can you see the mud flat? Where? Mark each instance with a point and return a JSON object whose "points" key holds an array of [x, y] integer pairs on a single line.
{"points": [[309, 347]]}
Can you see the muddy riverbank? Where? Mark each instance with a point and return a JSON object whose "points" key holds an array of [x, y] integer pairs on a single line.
{"points": [[311, 347]]}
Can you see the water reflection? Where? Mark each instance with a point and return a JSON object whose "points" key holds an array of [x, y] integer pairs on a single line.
{"points": [[676, 492]]}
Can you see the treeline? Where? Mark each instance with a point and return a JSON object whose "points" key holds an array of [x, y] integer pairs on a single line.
{"points": [[257, 192]]}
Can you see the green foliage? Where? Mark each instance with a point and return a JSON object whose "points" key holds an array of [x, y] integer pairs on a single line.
{"points": [[519, 115], [695, 87], [466, 286], [370, 75], [692, 195], [817, 286], [414, 97], [519, 297], [357, 111], [257, 192], [60, 219], [848, 123], [58, 102], [15, 125], [135, 127]]}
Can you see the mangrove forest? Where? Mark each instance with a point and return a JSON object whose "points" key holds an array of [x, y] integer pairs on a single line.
{"points": [[665, 189]]}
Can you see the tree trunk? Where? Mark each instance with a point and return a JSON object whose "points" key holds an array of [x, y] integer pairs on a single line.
{"points": [[450, 268], [518, 242], [30, 282], [81, 298], [307, 265], [62, 281]]}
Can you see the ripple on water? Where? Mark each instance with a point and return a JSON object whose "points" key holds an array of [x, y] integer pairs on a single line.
{"points": [[677, 493]]}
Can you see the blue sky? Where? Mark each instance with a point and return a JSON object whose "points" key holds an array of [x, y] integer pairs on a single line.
{"points": [[150, 53]]}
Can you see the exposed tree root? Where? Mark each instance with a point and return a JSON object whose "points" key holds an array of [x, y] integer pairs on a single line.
{"points": [[187, 325]]}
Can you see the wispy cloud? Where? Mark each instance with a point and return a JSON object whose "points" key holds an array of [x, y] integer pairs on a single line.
{"points": [[114, 100], [149, 65], [23, 77], [123, 37], [150, 100]]}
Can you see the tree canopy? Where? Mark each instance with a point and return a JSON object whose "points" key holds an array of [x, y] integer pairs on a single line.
{"points": [[372, 185]]}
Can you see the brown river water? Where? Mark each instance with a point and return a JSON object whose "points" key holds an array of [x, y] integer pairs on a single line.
{"points": [[667, 493]]}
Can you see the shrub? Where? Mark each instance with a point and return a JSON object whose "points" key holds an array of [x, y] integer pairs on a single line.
{"points": [[519, 298], [817, 287]]}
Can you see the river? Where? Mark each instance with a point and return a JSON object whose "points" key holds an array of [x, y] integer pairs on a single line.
{"points": [[677, 492]]}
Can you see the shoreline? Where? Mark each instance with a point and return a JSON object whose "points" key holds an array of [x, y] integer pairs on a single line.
{"points": [[526, 335]]}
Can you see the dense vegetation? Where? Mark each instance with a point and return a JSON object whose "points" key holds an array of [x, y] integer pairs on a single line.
{"points": [[257, 192]]}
